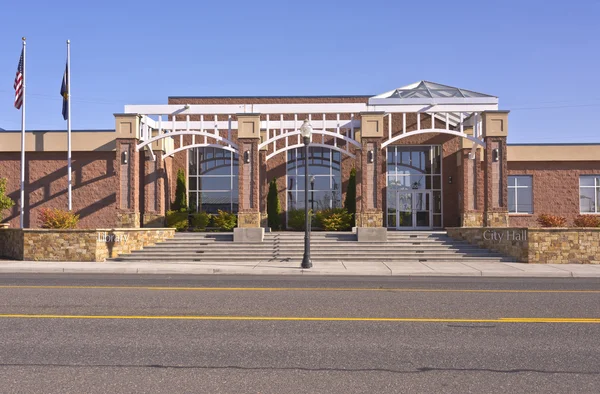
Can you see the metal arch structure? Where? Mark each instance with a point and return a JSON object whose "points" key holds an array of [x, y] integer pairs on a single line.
{"points": [[295, 146], [230, 144], [426, 131]]}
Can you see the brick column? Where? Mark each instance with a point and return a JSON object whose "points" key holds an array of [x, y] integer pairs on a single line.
{"points": [[128, 170], [495, 131], [249, 182], [153, 190], [471, 212], [370, 179]]}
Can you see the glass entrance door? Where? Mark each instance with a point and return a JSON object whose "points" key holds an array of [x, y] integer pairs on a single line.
{"points": [[410, 210]]}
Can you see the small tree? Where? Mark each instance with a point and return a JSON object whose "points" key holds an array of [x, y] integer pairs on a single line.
{"points": [[5, 201], [350, 202], [273, 206], [180, 203]]}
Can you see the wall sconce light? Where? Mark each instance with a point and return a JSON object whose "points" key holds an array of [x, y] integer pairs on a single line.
{"points": [[450, 180], [370, 156], [247, 156], [495, 154], [124, 157]]}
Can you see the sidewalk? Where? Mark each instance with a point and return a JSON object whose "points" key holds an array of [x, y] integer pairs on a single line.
{"points": [[319, 268]]}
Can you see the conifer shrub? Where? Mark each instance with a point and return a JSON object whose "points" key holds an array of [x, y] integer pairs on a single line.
{"points": [[180, 203], [273, 206]]}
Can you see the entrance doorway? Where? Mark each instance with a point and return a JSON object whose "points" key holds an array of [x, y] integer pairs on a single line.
{"points": [[410, 210], [414, 187]]}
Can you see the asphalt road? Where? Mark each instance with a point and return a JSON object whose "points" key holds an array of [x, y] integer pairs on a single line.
{"points": [[226, 334]]}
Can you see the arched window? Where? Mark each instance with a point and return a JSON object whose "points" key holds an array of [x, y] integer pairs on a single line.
{"points": [[325, 178], [213, 180]]}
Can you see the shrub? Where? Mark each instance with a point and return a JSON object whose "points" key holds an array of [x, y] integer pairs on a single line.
{"points": [[350, 202], [334, 219], [5, 201], [587, 221], [295, 219], [225, 220], [58, 219], [273, 206], [177, 220], [200, 220], [547, 220], [180, 203]]}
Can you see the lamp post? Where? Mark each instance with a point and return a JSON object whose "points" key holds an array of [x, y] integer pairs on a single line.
{"points": [[306, 131]]}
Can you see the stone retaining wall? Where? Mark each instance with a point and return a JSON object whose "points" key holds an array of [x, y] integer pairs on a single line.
{"points": [[76, 245], [536, 245]]}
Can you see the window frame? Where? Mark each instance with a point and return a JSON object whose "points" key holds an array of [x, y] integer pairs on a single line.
{"points": [[514, 189], [595, 188]]}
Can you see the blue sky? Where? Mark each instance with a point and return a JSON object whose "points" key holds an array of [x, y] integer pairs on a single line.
{"points": [[541, 58]]}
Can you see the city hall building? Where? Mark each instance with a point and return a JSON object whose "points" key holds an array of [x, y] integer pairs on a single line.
{"points": [[427, 156]]}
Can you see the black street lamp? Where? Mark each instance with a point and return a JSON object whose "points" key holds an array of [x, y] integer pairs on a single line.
{"points": [[306, 131]]}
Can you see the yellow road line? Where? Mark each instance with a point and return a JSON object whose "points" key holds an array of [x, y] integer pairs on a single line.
{"points": [[323, 319], [406, 290]]}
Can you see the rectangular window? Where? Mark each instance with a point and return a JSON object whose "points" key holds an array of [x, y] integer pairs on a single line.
{"points": [[520, 194], [589, 193]]}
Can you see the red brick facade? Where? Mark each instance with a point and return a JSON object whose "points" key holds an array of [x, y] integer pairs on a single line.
{"points": [[95, 186], [555, 188]]}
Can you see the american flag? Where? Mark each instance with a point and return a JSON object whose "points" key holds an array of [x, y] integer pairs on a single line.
{"points": [[19, 84]]}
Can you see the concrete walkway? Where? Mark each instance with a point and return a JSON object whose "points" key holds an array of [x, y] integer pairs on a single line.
{"points": [[328, 268]]}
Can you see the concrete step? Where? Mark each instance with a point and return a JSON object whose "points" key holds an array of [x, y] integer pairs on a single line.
{"points": [[131, 258], [332, 255]]}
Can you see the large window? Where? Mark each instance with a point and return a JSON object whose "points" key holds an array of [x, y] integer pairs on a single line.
{"points": [[213, 180], [520, 197], [589, 193], [324, 171]]}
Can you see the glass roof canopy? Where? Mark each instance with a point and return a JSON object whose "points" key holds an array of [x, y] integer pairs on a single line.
{"points": [[425, 92]]}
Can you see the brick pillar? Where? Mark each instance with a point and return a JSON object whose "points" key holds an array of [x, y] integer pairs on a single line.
{"points": [[128, 171], [249, 170], [153, 189], [471, 212], [371, 179], [495, 131]]}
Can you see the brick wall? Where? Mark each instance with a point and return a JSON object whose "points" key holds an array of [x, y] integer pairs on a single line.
{"points": [[94, 186], [555, 188]]}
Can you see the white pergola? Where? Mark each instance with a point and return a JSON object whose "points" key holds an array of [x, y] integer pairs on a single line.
{"points": [[456, 108]]}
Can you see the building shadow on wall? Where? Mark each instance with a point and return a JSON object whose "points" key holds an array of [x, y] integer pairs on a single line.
{"points": [[46, 182]]}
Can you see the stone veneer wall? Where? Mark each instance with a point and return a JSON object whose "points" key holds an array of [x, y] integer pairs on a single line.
{"points": [[517, 248], [536, 245], [76, 245]]}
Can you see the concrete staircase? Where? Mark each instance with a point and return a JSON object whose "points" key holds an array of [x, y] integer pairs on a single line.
{"points": [[215, 248]]}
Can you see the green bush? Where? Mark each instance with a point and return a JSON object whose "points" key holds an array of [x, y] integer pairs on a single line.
{"points": [[334, 219], [225, 220], [180, 203], [350, 202], [58, 219], [295, 219], [5, 201], [177, 220], [200, 220], [273, 206]]}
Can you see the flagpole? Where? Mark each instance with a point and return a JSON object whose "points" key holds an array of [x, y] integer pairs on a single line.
{"points": [[69, 120], [22, 203]]}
